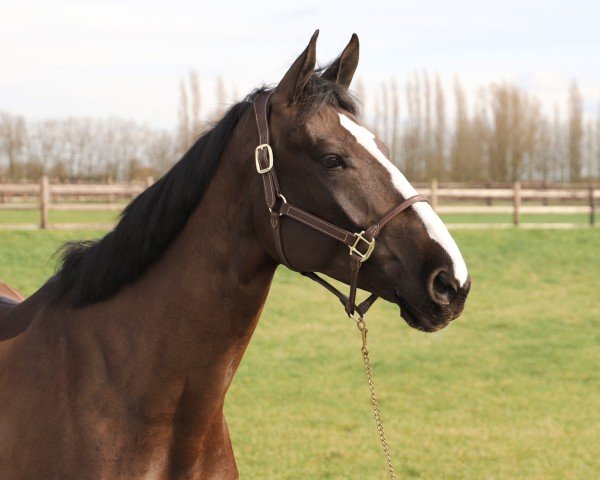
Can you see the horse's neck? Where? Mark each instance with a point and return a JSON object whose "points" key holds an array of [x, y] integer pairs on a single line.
{"points": [[184, 325]]}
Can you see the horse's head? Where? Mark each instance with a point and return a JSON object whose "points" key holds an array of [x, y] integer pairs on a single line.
{"points": [[329, 164]]}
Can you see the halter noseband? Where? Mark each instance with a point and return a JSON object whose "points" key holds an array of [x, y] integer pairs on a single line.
{"points": [[361, 245]]}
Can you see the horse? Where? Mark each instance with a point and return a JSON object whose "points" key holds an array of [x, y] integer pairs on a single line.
{"points": [[118, 366]]}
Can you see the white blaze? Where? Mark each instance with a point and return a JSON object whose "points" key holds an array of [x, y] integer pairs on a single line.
{"points": [[433, 224]]}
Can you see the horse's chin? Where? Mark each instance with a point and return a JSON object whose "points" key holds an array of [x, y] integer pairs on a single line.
{"points": [[417, 320]]}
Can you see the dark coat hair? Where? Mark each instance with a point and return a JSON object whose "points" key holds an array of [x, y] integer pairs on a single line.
{"points": [[95, 270]]}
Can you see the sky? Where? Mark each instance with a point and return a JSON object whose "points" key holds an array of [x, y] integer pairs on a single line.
{"points": [[125, 58]]}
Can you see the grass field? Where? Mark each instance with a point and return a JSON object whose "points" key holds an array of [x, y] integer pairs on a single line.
{"points": [[33, 217], [507, 218], [508, 391]]}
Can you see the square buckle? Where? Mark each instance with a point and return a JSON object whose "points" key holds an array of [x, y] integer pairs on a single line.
{"points": [[370, 247], [260, 148]]}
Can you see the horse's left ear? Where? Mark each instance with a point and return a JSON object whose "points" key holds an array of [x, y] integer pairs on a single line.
{"points": [[342, 68], [293, 82]]}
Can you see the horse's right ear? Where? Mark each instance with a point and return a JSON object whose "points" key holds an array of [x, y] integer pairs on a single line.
{"points": [[293, 82]]}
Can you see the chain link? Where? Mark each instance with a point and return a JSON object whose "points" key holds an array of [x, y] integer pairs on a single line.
{"points": [[360, 323]]}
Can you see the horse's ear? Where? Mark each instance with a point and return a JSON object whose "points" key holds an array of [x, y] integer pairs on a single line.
{"points": [[342, 68], [293, 82]]}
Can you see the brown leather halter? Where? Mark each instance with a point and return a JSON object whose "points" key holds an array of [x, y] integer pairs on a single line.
{"points": [[361, 245]]}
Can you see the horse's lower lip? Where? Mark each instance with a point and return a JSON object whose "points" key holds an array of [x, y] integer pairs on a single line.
{"points": [[418, 324], [417, 321]]}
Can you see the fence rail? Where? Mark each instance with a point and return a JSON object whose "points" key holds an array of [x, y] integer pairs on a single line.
{"points": [[47, 197]]}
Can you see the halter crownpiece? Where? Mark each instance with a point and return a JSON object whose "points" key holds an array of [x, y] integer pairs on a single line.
{"points": [[360, 244]]}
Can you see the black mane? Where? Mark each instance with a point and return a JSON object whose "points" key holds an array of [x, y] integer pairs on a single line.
{"points": [[95, 270]]}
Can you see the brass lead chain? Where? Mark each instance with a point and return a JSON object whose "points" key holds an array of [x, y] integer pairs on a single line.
{"points": [[360, 323]]}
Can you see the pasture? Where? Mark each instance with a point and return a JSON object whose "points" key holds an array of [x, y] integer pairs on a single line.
{"points": [[508, 391], [32, 217]]}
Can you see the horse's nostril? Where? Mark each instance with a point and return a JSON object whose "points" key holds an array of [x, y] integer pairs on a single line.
{"points": [[442, 287]]}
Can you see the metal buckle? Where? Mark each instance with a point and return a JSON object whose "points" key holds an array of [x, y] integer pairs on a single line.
{"points": [[370, 247], [260, 148], [283, 200]]}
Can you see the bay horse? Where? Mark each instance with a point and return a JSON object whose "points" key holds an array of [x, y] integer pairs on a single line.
{"points": [[118, 366]]}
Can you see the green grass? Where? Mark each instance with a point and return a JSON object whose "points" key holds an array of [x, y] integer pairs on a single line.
{"points": [[33, 217], [508, 391], [67, 216], [507, 218], [28, 258]]}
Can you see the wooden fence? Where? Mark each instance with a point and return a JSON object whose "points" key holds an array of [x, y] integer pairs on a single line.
{"points": [[567, 201], [46, 197]]}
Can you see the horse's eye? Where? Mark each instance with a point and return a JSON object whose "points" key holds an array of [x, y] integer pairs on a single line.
{"points": [[333, 162]]}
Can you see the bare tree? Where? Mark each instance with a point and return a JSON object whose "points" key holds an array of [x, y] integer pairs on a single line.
{"points": [[221, 96], [575, 132], [439, 148], [411, 137], [500, 133], [478, 155], [557, 167], [395, 133], [377, 115], [542, 152], [196, 124], [385, 114], [427, 146], [360, 93], [589, 150], [459, 155], [596, 170], [12, 140], [185, 134]]}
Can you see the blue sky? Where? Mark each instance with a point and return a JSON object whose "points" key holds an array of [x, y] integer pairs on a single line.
{"points": [[125, 58]]}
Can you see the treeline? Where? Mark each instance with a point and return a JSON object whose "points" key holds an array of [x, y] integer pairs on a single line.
{"points": [[501, 133], [92, 149], [82, 148]]}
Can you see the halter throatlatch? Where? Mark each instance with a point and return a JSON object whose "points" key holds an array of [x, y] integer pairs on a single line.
{"points": [[360, 244]]}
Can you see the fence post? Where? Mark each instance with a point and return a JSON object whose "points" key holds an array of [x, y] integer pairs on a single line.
{"points": [[516, 202], [433, 194], [544, 199], [111, 196], [44, 202], [592, 206]]}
